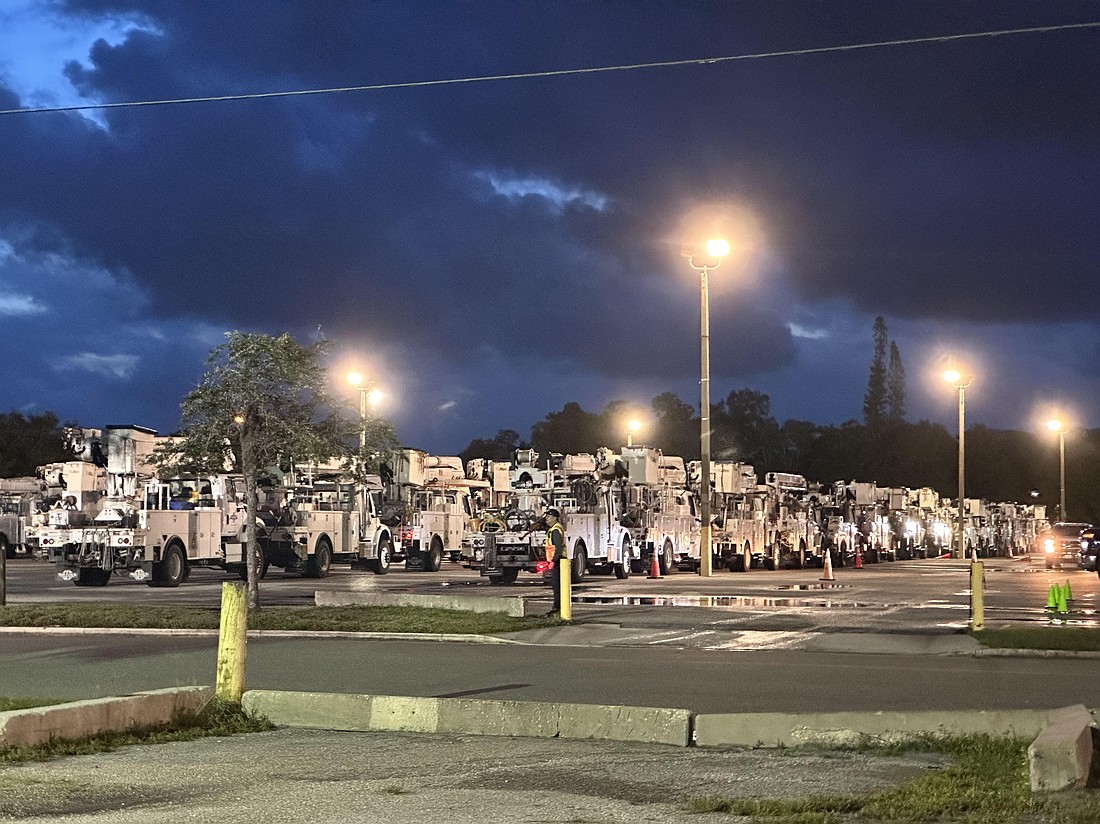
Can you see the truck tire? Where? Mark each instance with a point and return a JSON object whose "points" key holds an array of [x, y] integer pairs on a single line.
{"points": [[622, 571], [381, 564], [92, 577], [320, 562], [242, 569], [171, 569], [666, 561], [580, 563], [508, 575], [434, 559]]}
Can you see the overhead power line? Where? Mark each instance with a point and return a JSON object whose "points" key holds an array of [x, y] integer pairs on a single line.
{"points": [[698, 61]]}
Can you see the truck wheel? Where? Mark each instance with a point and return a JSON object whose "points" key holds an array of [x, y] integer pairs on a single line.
{"points": [[320, 562], [666, 561], [508, 575], [242, 569], [771, 560], [580, 564], [92, 577], [434, 560], [171, 569], [622, 571], [381, 564]]}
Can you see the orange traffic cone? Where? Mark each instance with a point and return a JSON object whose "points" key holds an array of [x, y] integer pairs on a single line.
{"points": [[655, 566], [859, 558], [827, 575]]}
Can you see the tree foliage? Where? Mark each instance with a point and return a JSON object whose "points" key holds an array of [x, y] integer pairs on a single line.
{"points": [[874, 401], [263, 401], [501, 447], [743, 429], [895, 386], [27, 442]]}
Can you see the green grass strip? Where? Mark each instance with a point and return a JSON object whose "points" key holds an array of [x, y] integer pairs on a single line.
{"points": [[1076, 639], [26, 703], [218, 718], [347, 619], [986, 784]]}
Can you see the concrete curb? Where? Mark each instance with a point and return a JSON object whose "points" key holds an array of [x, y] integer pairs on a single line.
{"points": [[533, 719], [265, 633], [511, 606], [80, 719], [831, 729]]}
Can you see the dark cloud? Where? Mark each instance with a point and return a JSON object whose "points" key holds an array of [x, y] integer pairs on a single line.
{"points": [[536, 219]]}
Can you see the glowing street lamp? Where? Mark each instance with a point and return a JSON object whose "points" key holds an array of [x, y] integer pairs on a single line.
{"points": [[955, 378], [632, 426], [717, 249], [367, 394], [1058, 426]]}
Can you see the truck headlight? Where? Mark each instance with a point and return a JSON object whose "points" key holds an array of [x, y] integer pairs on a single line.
{"points": [[1048, 546]]}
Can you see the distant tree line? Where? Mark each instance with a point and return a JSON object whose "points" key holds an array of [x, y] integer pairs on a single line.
{"points": [[1001, 465]]}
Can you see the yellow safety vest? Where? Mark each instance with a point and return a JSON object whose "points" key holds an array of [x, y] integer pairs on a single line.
{"points": [[550, 541]]}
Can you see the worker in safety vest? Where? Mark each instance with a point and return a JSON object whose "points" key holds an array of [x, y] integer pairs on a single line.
{"points": [[555, 551]]}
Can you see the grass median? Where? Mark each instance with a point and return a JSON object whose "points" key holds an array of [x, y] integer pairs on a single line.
{"points": [[318, 619], [1073, 639], [986, 784], [218, 718]]}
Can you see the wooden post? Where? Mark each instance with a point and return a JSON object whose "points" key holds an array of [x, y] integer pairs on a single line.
{"points": [[232, 641], [3, 576]]}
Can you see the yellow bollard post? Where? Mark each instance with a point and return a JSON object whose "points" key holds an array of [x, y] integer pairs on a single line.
{"points": [[977, 596], [232, 641], [565, 570]]}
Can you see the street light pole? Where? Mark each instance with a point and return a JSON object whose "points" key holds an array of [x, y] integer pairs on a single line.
{"points": [[1062, 472], [953, 377], [1059, 427], [716, 250], [977, 571], [366, 389]]}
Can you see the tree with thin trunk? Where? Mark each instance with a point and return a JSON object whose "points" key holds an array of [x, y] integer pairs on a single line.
{"points": [[874, 402], [895, 386], [263, 401]]}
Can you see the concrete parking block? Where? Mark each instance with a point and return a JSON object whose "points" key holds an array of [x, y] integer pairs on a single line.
{"points": [[1063, 754], [80, 719], [650, 724], [465, 716], [529, 719], [466, 603], [776, 729]]}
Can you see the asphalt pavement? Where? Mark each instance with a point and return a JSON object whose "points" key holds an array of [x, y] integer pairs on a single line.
{"points": [[289, 776]]}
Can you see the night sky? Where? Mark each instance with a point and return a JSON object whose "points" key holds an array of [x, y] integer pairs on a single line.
{"points": [[490, 251]]}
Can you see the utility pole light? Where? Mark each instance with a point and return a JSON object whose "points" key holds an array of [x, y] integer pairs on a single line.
{"points": [[632, 426], [367, 394], [717, 249], [977, 571], [955, 378], [1058, 426]]}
